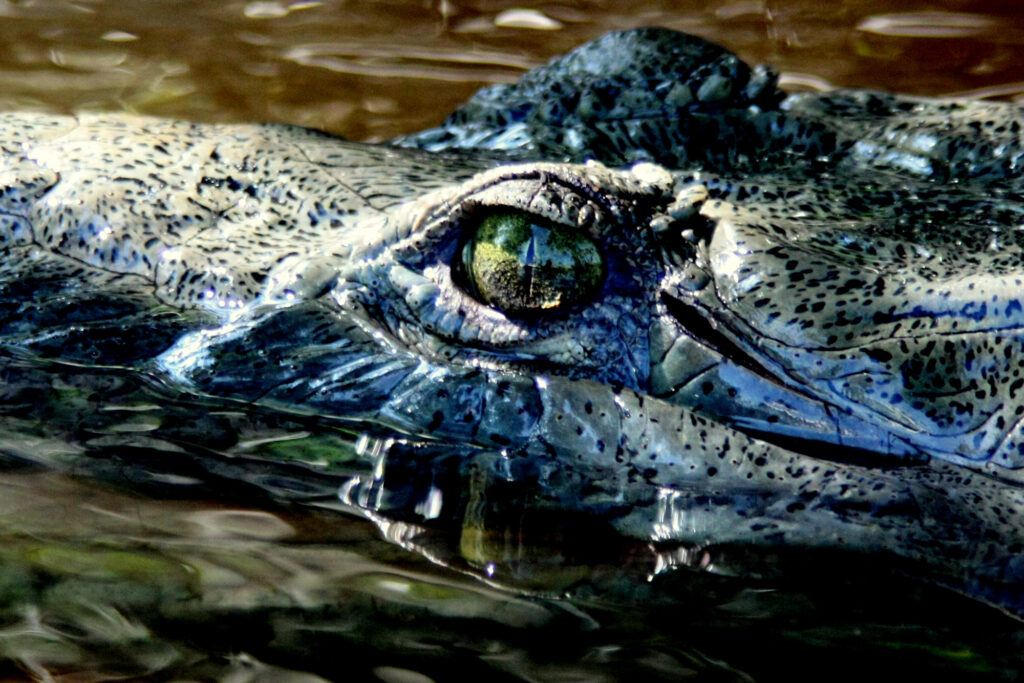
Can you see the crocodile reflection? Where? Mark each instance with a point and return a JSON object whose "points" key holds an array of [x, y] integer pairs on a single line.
{"points": [[718, 314]]}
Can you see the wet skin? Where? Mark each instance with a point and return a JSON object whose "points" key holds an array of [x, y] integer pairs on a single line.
{"points": [[723, 315]]}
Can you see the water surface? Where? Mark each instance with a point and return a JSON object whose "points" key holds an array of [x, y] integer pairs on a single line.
{"points": [[121, 557]]}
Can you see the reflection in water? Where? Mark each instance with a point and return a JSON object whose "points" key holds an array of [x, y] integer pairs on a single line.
{"points": [[929, 25], [106, 581], [452, 64], [237, 548]]}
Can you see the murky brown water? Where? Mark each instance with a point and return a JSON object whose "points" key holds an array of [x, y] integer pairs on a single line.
{"points": [[373, 70], [97, 582]]}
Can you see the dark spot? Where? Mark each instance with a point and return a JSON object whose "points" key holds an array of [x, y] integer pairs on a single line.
{"points": [[880, 355]]}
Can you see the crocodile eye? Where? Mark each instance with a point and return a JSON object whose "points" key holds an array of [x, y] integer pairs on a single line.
{"points": [[523, 267]]}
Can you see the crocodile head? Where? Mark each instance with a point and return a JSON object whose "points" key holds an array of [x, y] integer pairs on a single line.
{"points": [[642, 277]]}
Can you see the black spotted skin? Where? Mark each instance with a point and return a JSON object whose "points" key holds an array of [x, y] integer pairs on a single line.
{"points": [[794, 284]]}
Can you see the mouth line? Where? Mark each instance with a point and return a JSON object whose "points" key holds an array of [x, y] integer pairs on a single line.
{"points": [[705, 330]]}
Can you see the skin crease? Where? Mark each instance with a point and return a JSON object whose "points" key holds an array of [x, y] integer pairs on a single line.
{"points": [[794, 284]]}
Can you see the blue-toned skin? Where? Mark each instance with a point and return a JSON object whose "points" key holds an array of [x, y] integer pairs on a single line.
{"points": [[794, 284]]}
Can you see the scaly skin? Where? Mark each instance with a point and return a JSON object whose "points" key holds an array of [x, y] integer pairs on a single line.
{"points": [[838, 275]]}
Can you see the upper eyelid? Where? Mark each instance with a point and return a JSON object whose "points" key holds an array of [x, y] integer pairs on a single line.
{"points": [[545, 177]]}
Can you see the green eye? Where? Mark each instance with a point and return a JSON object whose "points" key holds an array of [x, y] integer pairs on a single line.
{"points": [[524, 268]]}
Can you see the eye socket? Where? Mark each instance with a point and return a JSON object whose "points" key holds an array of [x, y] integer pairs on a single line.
{"points": [[523, 267]]}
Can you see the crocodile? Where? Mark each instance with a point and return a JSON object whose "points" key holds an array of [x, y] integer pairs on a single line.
{"points": [[718, 314]]}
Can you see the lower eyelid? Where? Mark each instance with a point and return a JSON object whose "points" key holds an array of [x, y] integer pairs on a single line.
{"points": [[441, 308]]}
